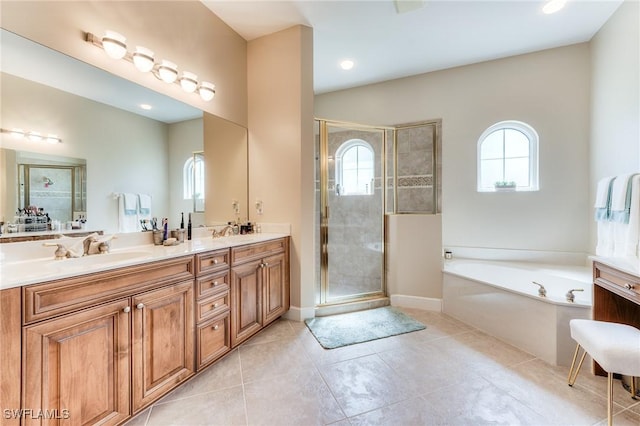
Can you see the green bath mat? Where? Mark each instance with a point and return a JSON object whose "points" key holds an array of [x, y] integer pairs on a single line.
{"points": [[356, 327]]}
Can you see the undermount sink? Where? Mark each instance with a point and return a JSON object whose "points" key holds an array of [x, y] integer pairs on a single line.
{"points": [[96, 260]]}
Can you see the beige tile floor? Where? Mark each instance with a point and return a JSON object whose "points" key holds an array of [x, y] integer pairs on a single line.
{"points": [[448, 374]]}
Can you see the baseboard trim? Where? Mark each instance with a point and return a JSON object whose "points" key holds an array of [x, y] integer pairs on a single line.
{"points": [[299, 314], [415, 302]]}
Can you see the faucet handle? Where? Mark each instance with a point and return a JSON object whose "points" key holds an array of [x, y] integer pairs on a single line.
{"points": [[542, 292], [570, 296], [60, 253]]}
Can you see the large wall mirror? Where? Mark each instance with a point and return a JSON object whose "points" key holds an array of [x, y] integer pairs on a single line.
{"points": [[99, 118]]}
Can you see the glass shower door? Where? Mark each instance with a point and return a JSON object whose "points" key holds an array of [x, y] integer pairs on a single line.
{"points": [[352, 212]]}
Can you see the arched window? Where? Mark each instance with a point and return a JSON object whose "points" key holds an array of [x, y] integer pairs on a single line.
{"points": [[193, 179], [354, 168], [508, 158]]}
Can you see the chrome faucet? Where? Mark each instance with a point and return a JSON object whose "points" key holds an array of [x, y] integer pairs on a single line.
{"points": [[570, 296], [542, 292], [227, 230]]}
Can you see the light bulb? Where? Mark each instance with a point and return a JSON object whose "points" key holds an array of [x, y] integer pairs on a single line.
{"points": [[207, 91], [143, 59], [347, 64], [114, 44], [189, 81], [168, 71]]}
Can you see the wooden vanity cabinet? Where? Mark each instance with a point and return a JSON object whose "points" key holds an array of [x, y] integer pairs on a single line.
{"points": [[259, 287], [101, 362]]}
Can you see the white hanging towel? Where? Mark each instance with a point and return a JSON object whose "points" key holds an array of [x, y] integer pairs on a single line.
{"points": [[626, 219], [145, 207], [128, 213]]}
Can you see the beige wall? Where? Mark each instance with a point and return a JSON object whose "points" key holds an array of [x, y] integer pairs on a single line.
{"points": [[281, 146], [185, 32], [615, 98]]}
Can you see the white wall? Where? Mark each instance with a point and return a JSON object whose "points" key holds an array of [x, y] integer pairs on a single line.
{"points": [[615, 98], [549, 90]]}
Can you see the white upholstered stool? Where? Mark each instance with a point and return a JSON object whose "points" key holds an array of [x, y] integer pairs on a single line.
{"points": [[616, 347]]}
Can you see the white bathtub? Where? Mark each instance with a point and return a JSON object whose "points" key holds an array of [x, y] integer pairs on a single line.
{"points": [[500, 299]]}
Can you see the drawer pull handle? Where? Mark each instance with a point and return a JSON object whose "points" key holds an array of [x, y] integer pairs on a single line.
{"points": [[215, 283], [215, 261], [140, 305], [629, 286], [127, 309], [215, 327], [215, 305]]}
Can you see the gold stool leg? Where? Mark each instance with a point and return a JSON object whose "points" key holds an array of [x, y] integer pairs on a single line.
{"points": [[572, 378], [610, 399]]}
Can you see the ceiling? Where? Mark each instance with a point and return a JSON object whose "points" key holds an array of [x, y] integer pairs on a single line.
{"points": [[432, 35]]}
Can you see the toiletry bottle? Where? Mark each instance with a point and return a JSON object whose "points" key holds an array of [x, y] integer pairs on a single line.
{"points": [[189, 228], [182, 220]]}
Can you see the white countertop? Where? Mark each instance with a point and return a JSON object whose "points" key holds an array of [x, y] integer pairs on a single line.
{"points": [[622, 264], [36, 270]]}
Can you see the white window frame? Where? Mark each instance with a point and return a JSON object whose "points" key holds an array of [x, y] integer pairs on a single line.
{"points": [[530, 134], [346, 146], [189, 175]]}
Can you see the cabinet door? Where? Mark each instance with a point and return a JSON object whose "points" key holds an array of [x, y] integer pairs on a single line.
{"points": [[163, 341], [246, 301], [276, 287], [76, 367]]}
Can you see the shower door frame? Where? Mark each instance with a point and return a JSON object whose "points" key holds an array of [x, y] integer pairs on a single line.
{"points": [[324, 211]]}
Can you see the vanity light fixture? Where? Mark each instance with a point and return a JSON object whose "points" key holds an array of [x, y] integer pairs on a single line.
{"points": [[32, 136], [189, 82], [143, 59], [347, 64], [114, 44], [207, 91]]}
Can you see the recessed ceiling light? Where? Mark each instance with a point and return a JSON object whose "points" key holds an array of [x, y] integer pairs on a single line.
{"points": [[145, 106], [347, 64], [552, 6]]}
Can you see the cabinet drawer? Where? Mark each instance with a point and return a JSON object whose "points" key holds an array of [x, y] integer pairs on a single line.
{"points": [[57, 297], [256, 251], [624, 284], [213, 339], [212, 284], [212, 306], [212, 261]]}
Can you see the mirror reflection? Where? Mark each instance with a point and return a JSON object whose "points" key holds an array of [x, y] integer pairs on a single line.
{"points": [[127, 149]]}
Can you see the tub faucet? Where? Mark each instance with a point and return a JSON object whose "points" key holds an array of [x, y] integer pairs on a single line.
{"points": [[542, 292], [570, 296]]}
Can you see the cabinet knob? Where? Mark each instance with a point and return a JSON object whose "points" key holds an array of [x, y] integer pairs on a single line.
{"points": [[266, 264], [215, 327], [629, 286], [215, 283], [215, 261], [215, 305], [127, 309], [140, 305]]}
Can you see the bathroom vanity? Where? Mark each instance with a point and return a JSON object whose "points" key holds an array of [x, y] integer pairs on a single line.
{"points": [[100, 346]]}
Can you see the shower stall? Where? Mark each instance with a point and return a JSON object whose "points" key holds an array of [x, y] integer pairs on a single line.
{"points": [[356, 186]]}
